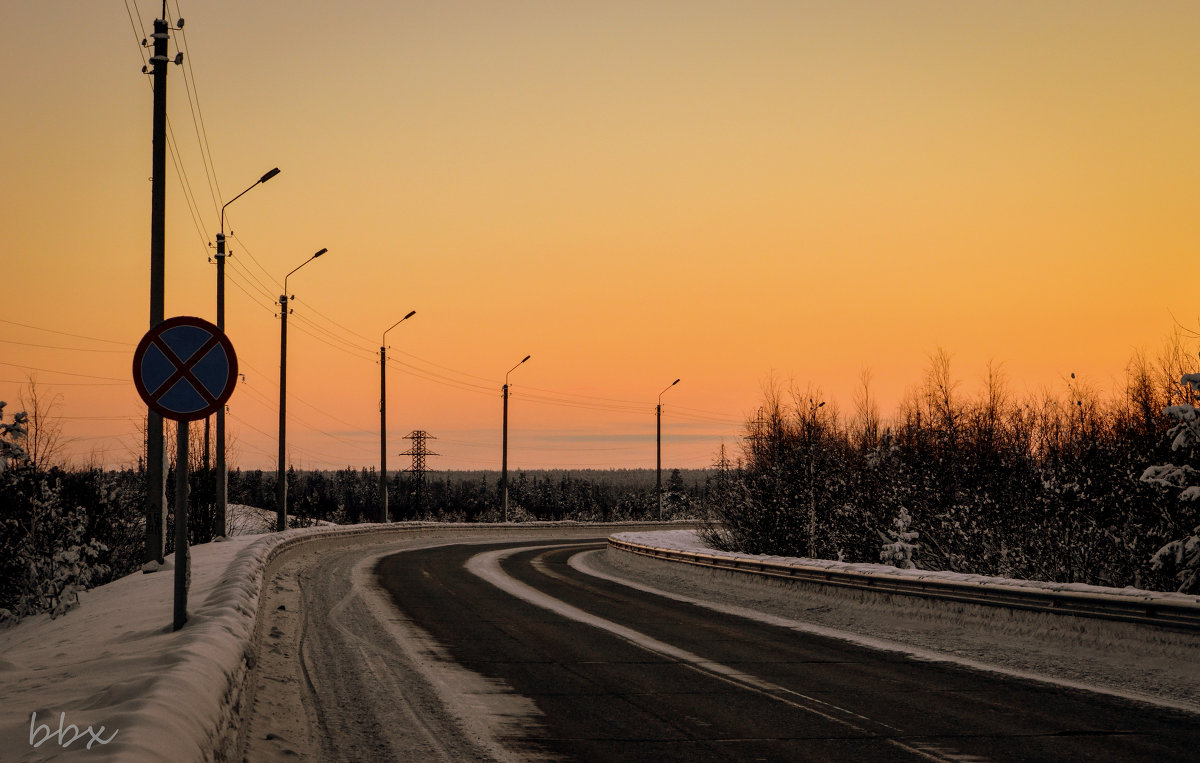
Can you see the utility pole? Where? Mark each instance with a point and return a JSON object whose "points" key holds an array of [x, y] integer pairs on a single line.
{"points": [[281, 467], [504, 456], [156, 475], [658, 457], [221, 488], [281, 476], [383, 488], [222, 481], [658, 448]]}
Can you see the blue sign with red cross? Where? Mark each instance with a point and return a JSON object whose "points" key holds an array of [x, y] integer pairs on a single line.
{"points": [[185, 368]]}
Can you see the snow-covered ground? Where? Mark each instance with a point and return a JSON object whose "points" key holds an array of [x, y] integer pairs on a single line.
{"points": [[115, 663], [689, 540]]}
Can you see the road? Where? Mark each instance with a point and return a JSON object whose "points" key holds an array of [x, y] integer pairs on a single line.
{"points": [[509, 651]]}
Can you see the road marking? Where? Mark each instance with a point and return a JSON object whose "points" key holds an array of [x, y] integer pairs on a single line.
{"points": [[487, 567]]}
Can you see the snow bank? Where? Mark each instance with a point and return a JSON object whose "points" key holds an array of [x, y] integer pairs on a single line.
{"points": [[115, 661], [689, 540]]}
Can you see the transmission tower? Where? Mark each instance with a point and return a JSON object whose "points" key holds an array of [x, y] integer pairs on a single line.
{"points": [[418, 451]]}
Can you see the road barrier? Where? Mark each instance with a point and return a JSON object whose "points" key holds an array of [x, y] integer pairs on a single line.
{"points": [[1177, 615]]}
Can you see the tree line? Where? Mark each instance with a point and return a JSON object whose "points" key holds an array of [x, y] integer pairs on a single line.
{"points": [[349, 496], [1046, 486]]}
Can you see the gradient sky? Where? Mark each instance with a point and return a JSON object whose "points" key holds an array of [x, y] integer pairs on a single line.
{"points": [[629, 191]]}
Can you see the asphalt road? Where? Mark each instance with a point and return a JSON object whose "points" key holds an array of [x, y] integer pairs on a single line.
{"points": [[618, 674]]}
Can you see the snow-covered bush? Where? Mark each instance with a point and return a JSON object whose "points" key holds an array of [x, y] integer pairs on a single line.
{"points": [[899, 542], [46, 555], [1181, 557], [12, 438]]}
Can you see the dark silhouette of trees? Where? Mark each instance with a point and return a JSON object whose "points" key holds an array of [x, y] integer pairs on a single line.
{"points": [[1043, 488]]}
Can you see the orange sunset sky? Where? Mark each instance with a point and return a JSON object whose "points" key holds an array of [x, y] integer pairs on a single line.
{"points": [[629, 191]]}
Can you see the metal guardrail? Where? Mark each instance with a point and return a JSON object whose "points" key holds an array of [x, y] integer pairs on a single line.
{"points": [[1175, 615]]}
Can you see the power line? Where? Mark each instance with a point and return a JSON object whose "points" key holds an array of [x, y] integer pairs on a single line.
{"points": [[172, 144], [64, 333], [58, 347], [193, 91], [65, 373], [69, 384], [248, 253], [235, 282], [249, 275]]}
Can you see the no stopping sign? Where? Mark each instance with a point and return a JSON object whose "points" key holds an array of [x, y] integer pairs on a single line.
{"points": [[185, 368]]}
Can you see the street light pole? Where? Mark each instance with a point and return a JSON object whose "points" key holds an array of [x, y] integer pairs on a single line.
{"points": [[658, 443], [383, 490], [222, 489], [281, 476], [504, 456]]}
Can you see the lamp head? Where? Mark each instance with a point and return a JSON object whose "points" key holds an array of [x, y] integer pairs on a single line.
{"points": [[411, 313], [269, 175], [318, 254], [527, 357]]}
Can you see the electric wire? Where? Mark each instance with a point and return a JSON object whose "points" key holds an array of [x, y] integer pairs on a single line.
{"points": [[235, 282], [68, 384], [250, 276], [65, 373], [64, 333], [59, 347], [250, 254], [198, 116], [293, 418], [172, 145]]}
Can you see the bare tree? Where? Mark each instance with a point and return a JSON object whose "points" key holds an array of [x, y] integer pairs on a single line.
{"points": [[866, 412], [44, 442]]}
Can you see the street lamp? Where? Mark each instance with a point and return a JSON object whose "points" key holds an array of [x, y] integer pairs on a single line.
{"points": [[383, 491], [281, 488], [504, 457], [222, 491], [658, 425]]}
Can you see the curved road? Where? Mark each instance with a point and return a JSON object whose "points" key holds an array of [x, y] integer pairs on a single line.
{"points": [[509, 650]]}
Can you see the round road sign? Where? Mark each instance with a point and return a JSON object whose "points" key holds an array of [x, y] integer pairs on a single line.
{"points": [[185, 368]]}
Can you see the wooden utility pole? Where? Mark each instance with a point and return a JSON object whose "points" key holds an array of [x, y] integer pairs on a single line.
{"points": [[156, 475]]}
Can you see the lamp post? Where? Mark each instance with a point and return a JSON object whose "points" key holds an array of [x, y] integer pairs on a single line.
{"points": [[383, 491], [504, 456], [658, 443], [281, 487], [222, 490]]}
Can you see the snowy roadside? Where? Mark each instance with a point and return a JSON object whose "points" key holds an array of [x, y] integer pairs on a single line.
{"points": [[1140, 662], [689, 540], [161, 695], [113, 665]]}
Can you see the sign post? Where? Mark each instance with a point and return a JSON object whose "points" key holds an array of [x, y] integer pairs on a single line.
{"points": [[184, 369]]}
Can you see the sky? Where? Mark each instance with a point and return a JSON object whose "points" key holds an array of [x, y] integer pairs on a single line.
{"points": [[629, 192]]}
